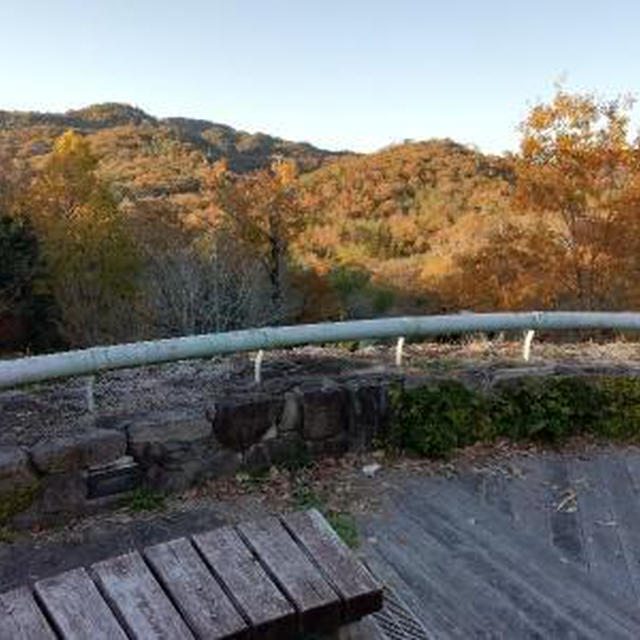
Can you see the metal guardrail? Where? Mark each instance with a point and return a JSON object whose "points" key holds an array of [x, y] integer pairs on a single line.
{"points": [[89, 361]]}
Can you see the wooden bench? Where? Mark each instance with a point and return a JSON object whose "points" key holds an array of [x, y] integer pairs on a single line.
{"points": [[270, 578]]}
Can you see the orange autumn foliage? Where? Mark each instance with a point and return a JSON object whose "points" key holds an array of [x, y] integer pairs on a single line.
{"points": [[573, 239], [265, 212]]}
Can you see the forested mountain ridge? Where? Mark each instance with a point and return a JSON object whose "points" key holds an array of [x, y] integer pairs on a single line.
{"points": [[245, 151], [146, 157], [402, 214], [405, 213]]}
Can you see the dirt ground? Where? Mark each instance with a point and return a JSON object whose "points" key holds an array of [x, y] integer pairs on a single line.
{"points": [[353, 485]]}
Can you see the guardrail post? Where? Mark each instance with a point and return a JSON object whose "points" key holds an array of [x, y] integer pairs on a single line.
{"points": [[257, 370], [399, 348], [91, 401], [526, 347]]}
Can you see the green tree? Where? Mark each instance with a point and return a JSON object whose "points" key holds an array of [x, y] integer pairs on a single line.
{"points": [[26, 309]]}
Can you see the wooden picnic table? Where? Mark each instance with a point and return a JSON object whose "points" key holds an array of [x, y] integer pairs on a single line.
{"points": [[271, 578]]}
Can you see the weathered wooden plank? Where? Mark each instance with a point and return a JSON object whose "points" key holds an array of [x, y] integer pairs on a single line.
{"points": [[461, 585], [247, 583], [625, 510], [197, 594], [496, 494], [605, 555], [527, 493], [593, 610], [138, 600], [317, 603], [76, 607], [566, 533], [360, 592], [632, 460], [21, 619], [416, 598]]}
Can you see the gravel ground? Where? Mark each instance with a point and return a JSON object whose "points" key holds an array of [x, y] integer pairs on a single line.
{"points": [[30, 414]]}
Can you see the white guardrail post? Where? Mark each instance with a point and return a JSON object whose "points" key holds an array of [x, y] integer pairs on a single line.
{"points": [[399, 349], [90, 391], [90, 361], [526, 347], [257, 367]]}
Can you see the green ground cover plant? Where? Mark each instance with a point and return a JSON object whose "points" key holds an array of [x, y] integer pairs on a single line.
{"points": [[17, 500], [434, 419], [143, 499], [305, 496]]}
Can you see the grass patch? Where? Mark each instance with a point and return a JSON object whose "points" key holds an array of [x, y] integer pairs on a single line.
{"points": [[143, 499], [7, 535], [297, 459], [344, 524], [253, 479], [17, 500], [305, 496]]}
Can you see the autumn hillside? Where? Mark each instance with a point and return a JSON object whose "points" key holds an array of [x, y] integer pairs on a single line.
{"points": [[406, 213], [144, 157], [396, 218], [115, 225]]}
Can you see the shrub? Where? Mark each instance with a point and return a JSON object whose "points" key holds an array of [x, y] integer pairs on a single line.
{"points": [[620, 407], [436, 418], [440, 416], [547, 409]]}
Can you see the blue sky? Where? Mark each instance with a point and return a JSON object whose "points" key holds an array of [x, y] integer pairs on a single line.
{"points": [[340, 74]]}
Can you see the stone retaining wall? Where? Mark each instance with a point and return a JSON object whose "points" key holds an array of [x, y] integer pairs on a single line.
{"points": [[172, 450], [283, 422]]}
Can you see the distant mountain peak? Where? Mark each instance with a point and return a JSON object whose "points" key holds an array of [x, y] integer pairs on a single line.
{"points": [[109, 114]]}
